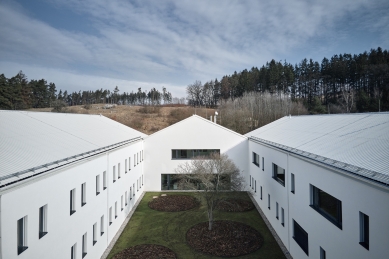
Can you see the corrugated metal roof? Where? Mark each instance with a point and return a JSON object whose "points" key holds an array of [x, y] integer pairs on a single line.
{"points": [[32, 139], [361, 141]]}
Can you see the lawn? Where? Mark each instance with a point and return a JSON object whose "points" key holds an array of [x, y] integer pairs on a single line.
{"points": [[148, 226]]}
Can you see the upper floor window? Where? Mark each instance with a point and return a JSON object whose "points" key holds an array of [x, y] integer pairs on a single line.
{"points": [[114, 174], [364, 230], [255, 159], [42, 221], [83, 194], [279, 174], [22, 234], [300, 236], [327, 205], [192, 153], [104, 180], [72, 201]]}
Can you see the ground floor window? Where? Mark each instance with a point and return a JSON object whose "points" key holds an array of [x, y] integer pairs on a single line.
{"points": [[300, 236], [170, 182]]}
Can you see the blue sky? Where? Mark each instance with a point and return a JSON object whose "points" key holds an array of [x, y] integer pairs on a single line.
{"points": [[91, 44]]}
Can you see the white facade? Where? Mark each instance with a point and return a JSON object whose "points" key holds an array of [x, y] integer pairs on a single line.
{"points": [[194, 133], [360, 189]]}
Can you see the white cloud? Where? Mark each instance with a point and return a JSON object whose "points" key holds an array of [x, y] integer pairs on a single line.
{"points": [[176, 41]]}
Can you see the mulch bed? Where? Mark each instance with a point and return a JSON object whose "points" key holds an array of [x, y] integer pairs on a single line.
{"points": [[226, 239], [235, 205], [173, 203], [146, 252]]}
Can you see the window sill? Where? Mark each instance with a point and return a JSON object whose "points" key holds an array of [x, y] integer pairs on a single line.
{"points": [[42, 234], [279, 181], [364, 244], [72, 211], [325, 215], [21, 249]]}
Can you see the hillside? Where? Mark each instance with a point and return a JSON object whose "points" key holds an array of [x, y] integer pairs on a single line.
{"points": [[147, 119]]}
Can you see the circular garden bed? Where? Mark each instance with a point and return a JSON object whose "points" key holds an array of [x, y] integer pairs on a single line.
{"points": [[146, 252], [226, 239], [235, 205], [173, 203]]}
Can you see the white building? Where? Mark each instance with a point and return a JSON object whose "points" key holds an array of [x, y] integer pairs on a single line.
{"points": [[68, 182]]}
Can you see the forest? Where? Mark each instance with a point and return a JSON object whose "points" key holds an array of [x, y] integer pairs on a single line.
{"points": [[344, 83], [18, 93]]}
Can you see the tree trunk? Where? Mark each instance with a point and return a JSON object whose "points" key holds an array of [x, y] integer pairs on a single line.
{"points": [[210, 219]]}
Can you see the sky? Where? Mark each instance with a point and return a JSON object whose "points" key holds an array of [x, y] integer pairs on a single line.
{"points": [[92, 44]]}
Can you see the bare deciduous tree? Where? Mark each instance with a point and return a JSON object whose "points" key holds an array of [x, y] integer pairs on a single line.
{"points": [[211, 175]]}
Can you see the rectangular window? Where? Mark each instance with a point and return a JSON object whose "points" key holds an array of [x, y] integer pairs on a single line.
{"points": [[327, 205], [276, 210], [137, 185], [125, 166], [22, 234], [364, 230], [300, 236], [118, 170], [252, 187], [97, 185], [83, 194], [142, 156], [282, 217], [261, 192], [116, 209], [279, 174], [94, 233], [125, 199], [134, 160], [322, 253], [121, 203], [137, 158], [133, 187], [110, 215], [114, 174], [255, 185], [263, 164], [84, 243], [129, 163], [73, 251], [72, 201], [250, 180], [104, 180], [268, 201], [193, 153], [130, 193], [42, 221], [102, 225], [142, 179], [255, 159], [292, 183]]}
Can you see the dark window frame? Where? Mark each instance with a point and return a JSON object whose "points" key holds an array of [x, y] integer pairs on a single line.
{"points": [[22, 235], [364, 230], [189, 154], [256, 159], [42, 221], [301, 236], [316, 205], [276, 175]]}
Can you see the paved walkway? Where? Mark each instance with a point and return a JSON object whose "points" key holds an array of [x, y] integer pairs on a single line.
{"points": [[274, 233], [116, 237]]}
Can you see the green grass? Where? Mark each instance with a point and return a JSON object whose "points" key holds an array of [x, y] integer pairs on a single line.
{"points": [[148, 226]]}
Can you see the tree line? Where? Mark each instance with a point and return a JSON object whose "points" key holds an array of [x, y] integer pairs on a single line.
{"points": [[17, 93], [343, 83]]}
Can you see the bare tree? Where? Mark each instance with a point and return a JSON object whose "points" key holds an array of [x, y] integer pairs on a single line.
{"points": [[211, 176]]}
